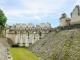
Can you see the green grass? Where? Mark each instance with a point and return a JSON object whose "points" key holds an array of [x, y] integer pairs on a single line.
{"points": [[22, 54]]}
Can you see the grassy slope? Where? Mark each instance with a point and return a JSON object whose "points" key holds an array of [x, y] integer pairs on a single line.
{"points": [[22, 54], [64, 45]]}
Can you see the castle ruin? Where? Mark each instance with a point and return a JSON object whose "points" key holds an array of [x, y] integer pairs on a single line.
{"points": [[75, 17]]}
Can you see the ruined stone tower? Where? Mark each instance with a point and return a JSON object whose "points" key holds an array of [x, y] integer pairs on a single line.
{"points": [[64, 21], [75, 18], [75, 15]]}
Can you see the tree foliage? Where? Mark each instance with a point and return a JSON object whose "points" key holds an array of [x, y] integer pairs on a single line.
{"points": [[3, 19]]}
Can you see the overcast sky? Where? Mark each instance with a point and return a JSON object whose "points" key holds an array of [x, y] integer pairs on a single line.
{"points": [[36, 11]]}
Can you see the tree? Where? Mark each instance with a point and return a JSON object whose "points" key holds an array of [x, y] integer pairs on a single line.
{"points": [[40, 34], [3, 19]]}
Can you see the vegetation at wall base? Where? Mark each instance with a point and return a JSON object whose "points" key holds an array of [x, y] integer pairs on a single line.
{"points": [[22, 54]]}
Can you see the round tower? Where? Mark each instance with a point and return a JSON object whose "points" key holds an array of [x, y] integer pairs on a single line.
{"points": [[64, 21]]}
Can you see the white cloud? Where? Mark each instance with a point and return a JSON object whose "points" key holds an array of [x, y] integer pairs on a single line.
{"points": [[32, 9], [44, 6], [36, 17], [35, 7], [15, 13], [77, 2]]}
